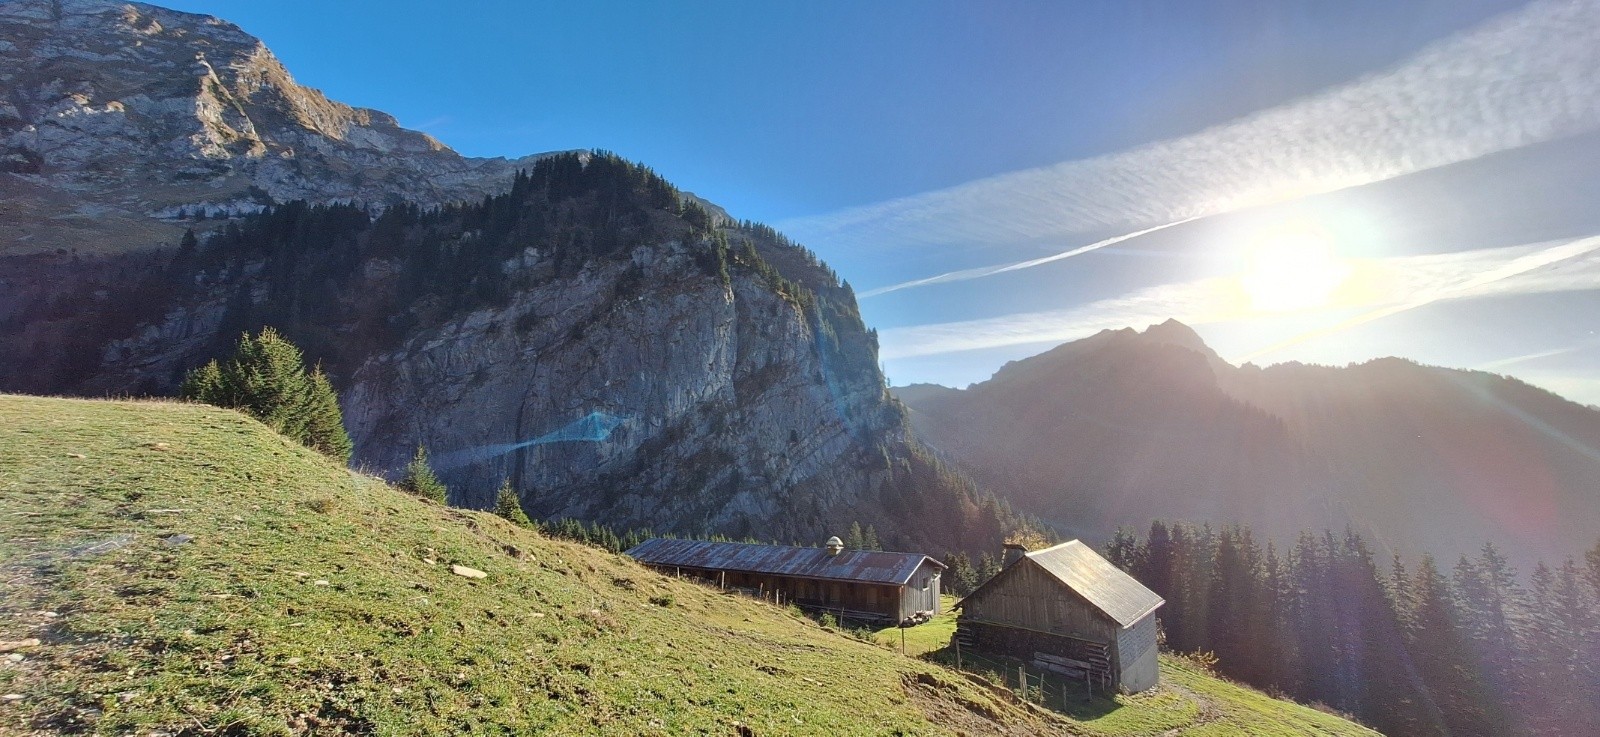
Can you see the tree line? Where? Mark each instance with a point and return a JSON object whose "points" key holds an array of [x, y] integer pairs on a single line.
{"points": [[1411, 650]]}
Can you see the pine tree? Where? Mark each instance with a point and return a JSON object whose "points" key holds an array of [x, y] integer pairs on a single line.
{"points": [[854, 540], [509, 507], [869, 540], [324, 423], [266, 378], [418, 478]]}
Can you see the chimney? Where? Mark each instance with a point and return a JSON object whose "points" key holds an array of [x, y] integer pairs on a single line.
{"points": [[834, 545], [1013, 554]]}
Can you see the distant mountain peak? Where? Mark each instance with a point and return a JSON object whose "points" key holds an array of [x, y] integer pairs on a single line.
{"points": [[131, 119], [1176, 333]]}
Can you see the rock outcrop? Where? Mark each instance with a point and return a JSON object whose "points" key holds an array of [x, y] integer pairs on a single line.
{"points": [[120, 120]]}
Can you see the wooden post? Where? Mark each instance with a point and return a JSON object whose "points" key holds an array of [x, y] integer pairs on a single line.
{"points": [[958, 650], [722, 581], [1022, 678], [902, 640]]}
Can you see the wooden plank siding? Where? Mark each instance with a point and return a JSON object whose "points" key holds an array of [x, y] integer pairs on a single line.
{"points": [[1031, 598]]}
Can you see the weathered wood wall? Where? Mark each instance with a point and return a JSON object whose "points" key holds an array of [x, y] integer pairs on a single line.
{"points": [[1027, 596], [921, 593]]}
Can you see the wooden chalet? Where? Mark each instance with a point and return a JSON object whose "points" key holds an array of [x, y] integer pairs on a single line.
{"points": [[1066, 609], [865, 585]]}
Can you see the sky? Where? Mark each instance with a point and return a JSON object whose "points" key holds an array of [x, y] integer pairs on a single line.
{"points": [[1317, 181]]}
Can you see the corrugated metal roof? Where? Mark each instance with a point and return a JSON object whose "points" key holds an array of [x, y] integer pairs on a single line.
{"points": [[851, 565], [1118, 594]]}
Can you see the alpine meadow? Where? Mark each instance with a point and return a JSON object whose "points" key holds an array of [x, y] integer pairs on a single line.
{"points": [[723, 368]]}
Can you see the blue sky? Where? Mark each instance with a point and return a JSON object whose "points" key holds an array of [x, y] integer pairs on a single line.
{"points": [[1426, 142]]}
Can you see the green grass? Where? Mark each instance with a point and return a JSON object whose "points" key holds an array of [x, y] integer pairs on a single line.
{"points": [[315, 600], [927, 637]]}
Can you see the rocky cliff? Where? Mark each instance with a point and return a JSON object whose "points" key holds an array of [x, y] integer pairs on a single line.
{"points": [[119, 120], [1124, 427], [616, 351]]}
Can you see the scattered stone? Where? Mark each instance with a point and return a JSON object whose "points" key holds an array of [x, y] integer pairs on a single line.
{"points": [[293, 661], [467, 572], [159, 446], [167, 511], [176, 540], [76, 455], [15, 657], [8, 646], [429, 561], [49, 615], [398, 689], [11, 697], [537, 615], [237, 518], [300, 574], [321, 582], [127, 696]]}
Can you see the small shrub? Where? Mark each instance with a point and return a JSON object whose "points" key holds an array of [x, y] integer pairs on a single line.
{"points": [[828, 622], [664, 600], [419, 479], [321, 504]]}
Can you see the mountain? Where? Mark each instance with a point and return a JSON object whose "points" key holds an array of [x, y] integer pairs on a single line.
{"points": [[182, 569], [1124, 427], [121, 119], [619, 351]]}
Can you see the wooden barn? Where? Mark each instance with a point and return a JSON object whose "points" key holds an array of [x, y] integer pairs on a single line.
{"points": [[1067, 609], [864, 585]]}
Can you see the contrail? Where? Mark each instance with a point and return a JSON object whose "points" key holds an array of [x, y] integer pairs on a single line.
{"points": [[1522, 78], [983, 271], [1392, 284]]}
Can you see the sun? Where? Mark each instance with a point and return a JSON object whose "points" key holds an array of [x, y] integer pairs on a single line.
{"points": [[1292, 266]]}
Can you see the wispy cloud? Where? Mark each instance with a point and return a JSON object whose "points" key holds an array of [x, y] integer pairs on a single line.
{"points": [[1379, 288], [1525, 77]]}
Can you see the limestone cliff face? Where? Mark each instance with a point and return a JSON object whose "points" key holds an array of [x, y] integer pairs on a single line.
{"points": [[719, 377], [729, 420], [117, 118]]}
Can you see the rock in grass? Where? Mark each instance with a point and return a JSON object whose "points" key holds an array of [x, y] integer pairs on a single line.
{"points": [[468, 572], [7, 646]]}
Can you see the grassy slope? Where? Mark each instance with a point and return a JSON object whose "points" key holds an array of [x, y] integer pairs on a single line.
{"points": [[1189, 701], [311, 599]]}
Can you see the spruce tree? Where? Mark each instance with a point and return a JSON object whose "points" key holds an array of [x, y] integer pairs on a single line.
{"points": [[418, 478], [324, 423], [266, 378], [854, 539], [508, 506], [869, 539]]}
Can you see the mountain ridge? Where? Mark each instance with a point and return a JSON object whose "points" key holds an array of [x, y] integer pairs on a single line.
{"points": [[1124, 427], [128, 118]]}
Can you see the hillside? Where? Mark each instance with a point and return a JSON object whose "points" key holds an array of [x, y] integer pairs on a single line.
{"points": [[1124, 427], [482, 308], [188, 571]]}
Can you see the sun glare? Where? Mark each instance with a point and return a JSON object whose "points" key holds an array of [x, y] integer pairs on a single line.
{"points": [[1293, 266]]}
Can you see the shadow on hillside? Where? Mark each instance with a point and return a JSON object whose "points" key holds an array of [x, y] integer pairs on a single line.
{"points": [[1048, 690]]}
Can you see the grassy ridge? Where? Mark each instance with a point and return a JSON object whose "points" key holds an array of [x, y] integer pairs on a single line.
{"points": [[190, 572]]}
